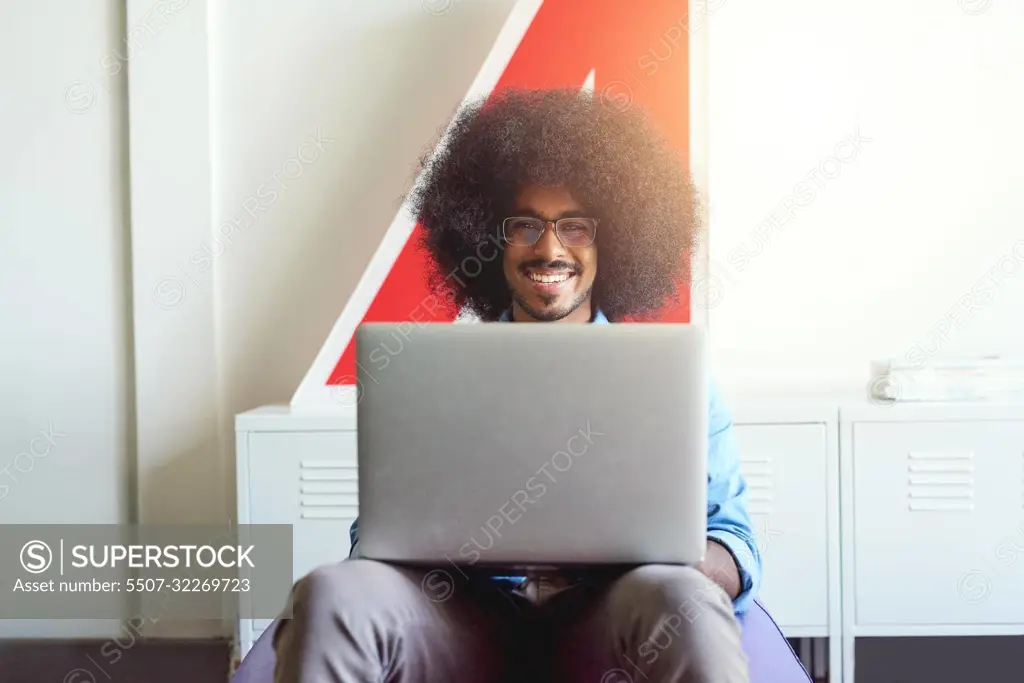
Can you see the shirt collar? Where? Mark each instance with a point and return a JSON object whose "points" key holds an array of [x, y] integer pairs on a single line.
{"points": [[599, 317]]}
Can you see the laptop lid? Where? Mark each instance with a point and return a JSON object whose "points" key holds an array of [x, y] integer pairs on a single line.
{"points": [[525, 445]]}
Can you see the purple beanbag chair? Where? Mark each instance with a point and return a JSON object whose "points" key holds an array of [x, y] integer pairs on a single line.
{"points": [[770, 656]]}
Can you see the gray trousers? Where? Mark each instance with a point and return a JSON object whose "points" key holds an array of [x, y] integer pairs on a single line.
{"points": [[363, 621]]}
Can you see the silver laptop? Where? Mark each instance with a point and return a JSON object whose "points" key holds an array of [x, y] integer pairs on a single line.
{"points": [[532, 445]]}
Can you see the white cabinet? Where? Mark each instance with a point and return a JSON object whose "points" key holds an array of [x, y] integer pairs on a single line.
{"points": [[785, 468], [298, 469], [790, 462], [933, 521], [314, 481], [938, 522]]}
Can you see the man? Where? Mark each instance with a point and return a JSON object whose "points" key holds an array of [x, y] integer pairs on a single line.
{"points": [[596, 216]]}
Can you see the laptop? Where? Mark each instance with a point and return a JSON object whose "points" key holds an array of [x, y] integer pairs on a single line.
{"points": [[524, 446]]}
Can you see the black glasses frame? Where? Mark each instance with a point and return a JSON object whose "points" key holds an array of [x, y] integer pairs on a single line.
{"points": [[554, 226]]}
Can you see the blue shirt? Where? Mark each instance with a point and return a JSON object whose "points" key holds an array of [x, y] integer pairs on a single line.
{"points": [[728, 518]]}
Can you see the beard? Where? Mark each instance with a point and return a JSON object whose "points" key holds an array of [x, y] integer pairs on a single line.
{"points": [[550, 313]]}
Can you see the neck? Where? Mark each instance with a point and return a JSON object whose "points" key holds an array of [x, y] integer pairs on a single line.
{"points": [[584, 313]]}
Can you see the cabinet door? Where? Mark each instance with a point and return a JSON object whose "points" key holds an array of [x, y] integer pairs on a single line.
{"points": [[308, 480], [785, 467], [939, 523]]}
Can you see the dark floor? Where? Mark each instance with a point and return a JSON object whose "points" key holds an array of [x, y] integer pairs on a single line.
{"points": [[879, 660], [995, 659], [109, 661]]}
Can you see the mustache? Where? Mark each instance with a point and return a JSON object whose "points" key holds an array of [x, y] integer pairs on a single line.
{"points": [[573, 268]]}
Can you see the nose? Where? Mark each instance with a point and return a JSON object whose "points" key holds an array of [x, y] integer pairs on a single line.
{"points": [[549, 247]]}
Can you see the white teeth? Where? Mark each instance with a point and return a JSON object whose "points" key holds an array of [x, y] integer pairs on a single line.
{"points": [[536, 277]]}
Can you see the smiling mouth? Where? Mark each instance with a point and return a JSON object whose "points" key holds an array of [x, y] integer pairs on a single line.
{"points": [[548, 277]]}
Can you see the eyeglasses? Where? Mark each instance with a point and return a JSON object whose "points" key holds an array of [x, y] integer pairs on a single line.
{"points": [[525, 231]]}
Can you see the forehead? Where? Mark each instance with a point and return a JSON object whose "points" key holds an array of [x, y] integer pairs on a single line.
{"points": [[548, 200]]}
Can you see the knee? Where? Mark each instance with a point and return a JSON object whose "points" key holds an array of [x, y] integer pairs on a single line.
{"points": [[678, 616], [344, 590], [675, 595]]}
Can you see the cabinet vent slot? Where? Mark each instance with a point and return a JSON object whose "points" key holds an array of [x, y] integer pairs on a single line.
{"points": [[940, 481]]}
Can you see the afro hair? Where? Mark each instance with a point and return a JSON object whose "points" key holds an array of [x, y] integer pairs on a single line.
{"points": [[612, 160]]}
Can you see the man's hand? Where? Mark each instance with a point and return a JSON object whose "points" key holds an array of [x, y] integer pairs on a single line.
{"points": [[720, 567]]}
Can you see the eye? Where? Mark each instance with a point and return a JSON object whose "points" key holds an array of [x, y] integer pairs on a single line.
{"points": [[525, 224], [523, 230]]}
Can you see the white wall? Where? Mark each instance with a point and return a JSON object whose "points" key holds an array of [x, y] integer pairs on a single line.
{"points": [[65, 447], [893, 240]]}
